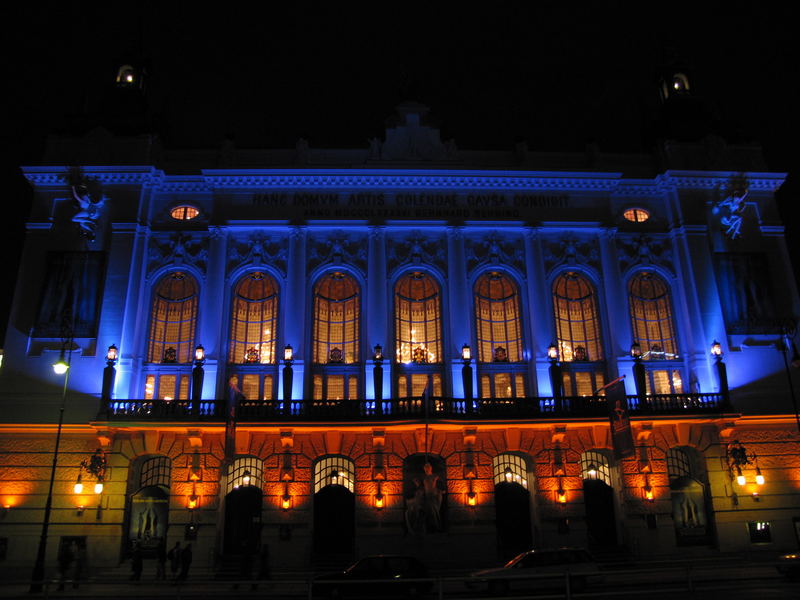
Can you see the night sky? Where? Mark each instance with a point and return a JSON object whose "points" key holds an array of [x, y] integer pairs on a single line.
{"points": [[558, 75]]}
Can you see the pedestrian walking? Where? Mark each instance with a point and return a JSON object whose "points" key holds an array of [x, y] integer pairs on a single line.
{"points": [[161, 560], [65, 558], [174, 556], [186, 562], [137, 562]]}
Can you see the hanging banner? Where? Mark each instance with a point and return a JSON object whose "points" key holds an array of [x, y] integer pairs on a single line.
{"points": [[621, 435], [149, 518]]}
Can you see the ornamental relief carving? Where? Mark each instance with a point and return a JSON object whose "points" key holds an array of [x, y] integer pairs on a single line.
{"points": [[494, 250], [177, 249], [569, 249], [644, 250], [418, 250], [337, 248], [257, 250]]}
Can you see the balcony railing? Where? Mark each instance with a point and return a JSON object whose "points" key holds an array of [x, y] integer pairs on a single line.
{"points": [[253, 411]]}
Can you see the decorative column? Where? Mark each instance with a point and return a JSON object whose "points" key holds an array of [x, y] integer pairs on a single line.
{"points": [[376, 312], [295, 309], [458, 302], [541, 330]]}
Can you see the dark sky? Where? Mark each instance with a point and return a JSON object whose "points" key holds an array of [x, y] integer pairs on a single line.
{"points": [[557, 74]]}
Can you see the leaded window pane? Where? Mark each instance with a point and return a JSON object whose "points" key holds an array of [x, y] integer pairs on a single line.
{"points": [[337, 311], [497, 317], [577, 321], [173, 319], [253, 320], [651, 317], [418, 319]]}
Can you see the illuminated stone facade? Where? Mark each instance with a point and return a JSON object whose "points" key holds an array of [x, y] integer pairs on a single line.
{"points": [[419, 239]]}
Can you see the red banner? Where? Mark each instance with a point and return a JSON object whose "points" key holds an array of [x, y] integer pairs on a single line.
{"points": [[621, 435]]}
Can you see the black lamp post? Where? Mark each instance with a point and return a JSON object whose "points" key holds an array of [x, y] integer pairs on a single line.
{"points": [[109, 373], [198, 373], [556, 379], [61, 367], [377, 377], [288, 375], [722, 373], [466, 376], [639, 375], [786, 344]]}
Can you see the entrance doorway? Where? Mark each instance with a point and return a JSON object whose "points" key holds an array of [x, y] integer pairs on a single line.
{"points": [[601, 523], [334, 520], [513, 518], [243, 520]]}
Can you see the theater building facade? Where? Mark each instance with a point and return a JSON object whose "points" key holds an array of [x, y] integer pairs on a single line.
{"points": [[401, 349]]}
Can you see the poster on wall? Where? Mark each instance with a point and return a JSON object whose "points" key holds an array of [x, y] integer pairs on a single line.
{"points": [[149, 514], [689, 513]]}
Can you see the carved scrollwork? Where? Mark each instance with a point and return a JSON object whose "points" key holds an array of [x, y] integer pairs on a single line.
{"points": [[177, 249], [643, 250], [416, 249], [257, 251], [337, 248], [570, 250], [495, 250]]}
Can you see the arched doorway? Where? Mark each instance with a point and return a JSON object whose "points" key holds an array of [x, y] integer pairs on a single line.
{"points": [[148, 514], [598, 497], [334, 505], [512, 503], [242, 534], [692, 513]]}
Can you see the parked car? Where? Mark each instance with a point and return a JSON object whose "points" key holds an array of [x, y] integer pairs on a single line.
{"points": [[540, 569], [389, 572], [789, 565]]}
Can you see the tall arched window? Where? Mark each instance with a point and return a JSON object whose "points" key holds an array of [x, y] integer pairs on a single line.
{"points": [[654, 329], [336, 337], [173, 319], [337, 309], [254, 319], [418, 334], [499, 335], [651, 317], [254, 315], [578, 333]]}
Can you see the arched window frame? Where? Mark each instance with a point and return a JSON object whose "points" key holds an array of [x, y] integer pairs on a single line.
{"points": [[349, 345], [601, 464], [249, 348], [334, 470], [155, 470], [652, 317], [517, 469], [255, 468], [159, 340], [500, 342], [253, 359], [413, 376]]}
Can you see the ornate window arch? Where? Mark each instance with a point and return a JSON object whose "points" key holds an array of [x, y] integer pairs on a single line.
{"points": [[498, 328], [254, 316], [253, 336], [173, 319], [337, 315], [334, 470], [651, 316], [246, 470], [577, 318], [577, 325], [594, 465], [510, 468], [497, 318], [156, 470], [418, 334]]}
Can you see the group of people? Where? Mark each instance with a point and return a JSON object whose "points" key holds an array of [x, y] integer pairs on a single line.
{"points": [[179, 558]]}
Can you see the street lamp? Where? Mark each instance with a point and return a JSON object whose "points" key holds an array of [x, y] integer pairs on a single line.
{"points": [[466, 376], [109, 373], [377, 377], [61, 367], [288, 375], [197, 377], [722, 372], [556, 380], [639, 375]]}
